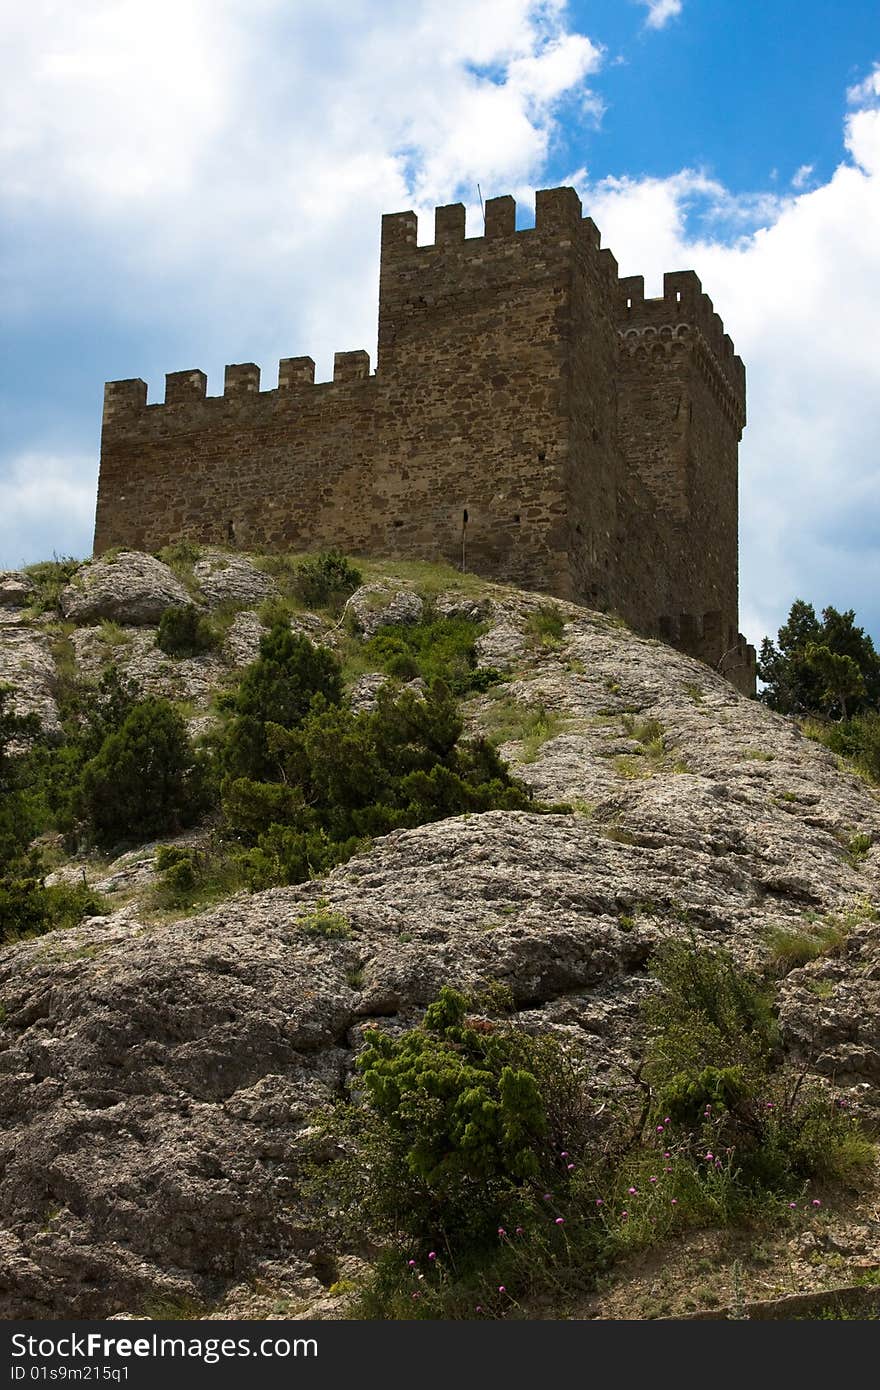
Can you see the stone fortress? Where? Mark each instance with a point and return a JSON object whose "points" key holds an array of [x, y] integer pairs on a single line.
{"points": [[532, 418]]}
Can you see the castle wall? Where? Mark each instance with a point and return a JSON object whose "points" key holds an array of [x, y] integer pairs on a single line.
{"points": [[532, 418], [457, 449]]}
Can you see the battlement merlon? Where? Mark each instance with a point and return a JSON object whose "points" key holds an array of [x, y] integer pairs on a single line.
{"points": [[124, 399], [682, 304]]}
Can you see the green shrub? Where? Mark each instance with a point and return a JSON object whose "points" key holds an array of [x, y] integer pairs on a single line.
{"points": [[185, 632], [89, 712], [18, 819], [144, 781], [715, 1067], [190, 875], [49, 578], [708, 1012], [457, 1155], [284, 854], [306, 782], [436, 649], [277, 688], [289, 672], [686, 1095], [181, 870], [326, 580], [324, 921], [29, 908]]}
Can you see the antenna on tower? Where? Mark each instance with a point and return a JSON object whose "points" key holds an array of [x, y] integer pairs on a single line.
{"points": [[482, 209]]}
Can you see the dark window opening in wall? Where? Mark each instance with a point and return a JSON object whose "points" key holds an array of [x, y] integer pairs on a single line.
{"points": [[579, 530], [595, 435], [516, 517], [230, 531], [465, 516], [690, 410], [397, 522], [541, 457]]}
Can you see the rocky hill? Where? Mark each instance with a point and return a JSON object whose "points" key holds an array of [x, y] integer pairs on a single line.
{"points": [[159, 1072]]}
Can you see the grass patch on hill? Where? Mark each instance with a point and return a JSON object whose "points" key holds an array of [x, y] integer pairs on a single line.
{"points": [[652, 755], [791, 947], [531, 726], [545, 627]]}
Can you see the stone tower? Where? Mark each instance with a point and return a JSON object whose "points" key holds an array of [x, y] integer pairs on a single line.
{"points": [[532, 418]]}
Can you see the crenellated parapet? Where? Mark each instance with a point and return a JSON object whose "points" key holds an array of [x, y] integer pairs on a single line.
{"points": [[126, 400], [558, 219], [683, 321]]}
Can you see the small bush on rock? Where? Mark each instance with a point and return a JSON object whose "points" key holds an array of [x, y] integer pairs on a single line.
{"points": [[323, 920], [185, 632], [722, 1092], [340, 778], [436, 649], [326, 580], [49, 578], [460, 1154]]}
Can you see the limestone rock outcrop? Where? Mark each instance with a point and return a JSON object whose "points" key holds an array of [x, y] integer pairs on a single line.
{"points": [[227, 578], [159, 1078], [16, 589], [379, 605], [133, 589]]}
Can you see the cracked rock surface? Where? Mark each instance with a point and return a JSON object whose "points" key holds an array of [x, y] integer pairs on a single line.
{"points": [[158, 1078]]}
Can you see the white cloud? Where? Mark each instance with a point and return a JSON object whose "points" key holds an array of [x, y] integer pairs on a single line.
{"points": [[661, 11], [802, 176], [863, 93], [212, 173], [200, 139], [47, 505]]}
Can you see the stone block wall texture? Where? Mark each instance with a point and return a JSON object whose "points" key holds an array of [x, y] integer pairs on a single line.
{"points": [[532, 418]]}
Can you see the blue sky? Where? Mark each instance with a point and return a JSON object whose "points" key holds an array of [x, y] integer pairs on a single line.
{"points": [[195, 182]]}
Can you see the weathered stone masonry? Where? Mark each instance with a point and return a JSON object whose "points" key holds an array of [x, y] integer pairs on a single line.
{"points": [[532, 417]]}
